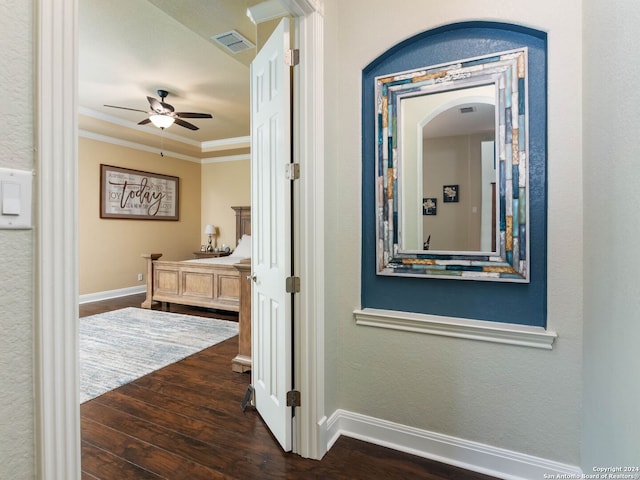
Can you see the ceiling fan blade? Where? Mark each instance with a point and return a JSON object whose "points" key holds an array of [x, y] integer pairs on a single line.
{"points": [[125, 108], [167, 107], [144, 122], [155, 105], [193, 115], [184, 124]]}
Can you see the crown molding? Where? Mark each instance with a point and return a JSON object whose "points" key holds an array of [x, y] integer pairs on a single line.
{"points": [[206, 146], [88, 112], [227, 158], [167, 153], [226, 144], [135, 146]]}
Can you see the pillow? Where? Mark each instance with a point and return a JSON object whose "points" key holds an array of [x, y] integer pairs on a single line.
{"points": [[243, 250]]}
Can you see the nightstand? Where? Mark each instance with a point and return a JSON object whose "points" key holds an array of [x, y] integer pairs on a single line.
{"points": [[210, 254]]}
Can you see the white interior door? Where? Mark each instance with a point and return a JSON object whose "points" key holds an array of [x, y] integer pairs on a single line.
{"points": [[271, 234]]}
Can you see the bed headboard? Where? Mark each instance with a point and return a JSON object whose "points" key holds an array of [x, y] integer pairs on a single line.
{"points": [[243, 222]]}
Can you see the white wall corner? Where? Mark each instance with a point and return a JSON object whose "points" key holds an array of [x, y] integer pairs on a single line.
{"points": [[474, 456]]}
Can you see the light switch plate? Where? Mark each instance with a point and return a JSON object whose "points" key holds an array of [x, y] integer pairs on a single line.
{"points": [[15, 198]]}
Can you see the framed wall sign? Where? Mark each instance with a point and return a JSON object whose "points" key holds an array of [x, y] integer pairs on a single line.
{"points": [[133, 194]]}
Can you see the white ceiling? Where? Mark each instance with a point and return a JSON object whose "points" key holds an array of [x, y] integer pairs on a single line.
{"points": [[453, 122], [131, 48]]}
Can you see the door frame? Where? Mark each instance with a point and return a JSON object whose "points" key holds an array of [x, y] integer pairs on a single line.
{"points": [[57, 405], [310, 423]]}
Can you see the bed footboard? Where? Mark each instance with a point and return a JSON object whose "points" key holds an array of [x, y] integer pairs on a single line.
{"points": [[186, 283]]}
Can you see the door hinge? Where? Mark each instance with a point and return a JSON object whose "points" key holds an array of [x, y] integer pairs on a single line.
{"points": [[293, 398], [292, 57], [292, 171], [292, 285]]}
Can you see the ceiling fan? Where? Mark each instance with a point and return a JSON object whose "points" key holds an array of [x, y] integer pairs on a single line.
{"points": [[163, 115]]}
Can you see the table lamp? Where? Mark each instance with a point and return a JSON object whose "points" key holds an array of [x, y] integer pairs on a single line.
{"points": [[211, 231]]}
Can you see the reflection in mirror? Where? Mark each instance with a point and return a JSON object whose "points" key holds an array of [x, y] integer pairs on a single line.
{"points": [[452, 188], [447, 138]]}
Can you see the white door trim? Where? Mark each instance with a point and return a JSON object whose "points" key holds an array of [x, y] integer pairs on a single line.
{"points": [[57, 409], [308, 135]]}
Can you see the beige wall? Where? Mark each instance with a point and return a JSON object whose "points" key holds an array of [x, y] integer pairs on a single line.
{"points": [[17, 261], [453, 160], [224, 185], [109, 249], [521, 399]]}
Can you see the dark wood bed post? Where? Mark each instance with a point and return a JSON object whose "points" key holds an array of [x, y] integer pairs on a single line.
{"points": [[150, 258]]}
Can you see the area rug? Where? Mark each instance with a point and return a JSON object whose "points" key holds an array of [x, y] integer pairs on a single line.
{"points": [[119, 346]]}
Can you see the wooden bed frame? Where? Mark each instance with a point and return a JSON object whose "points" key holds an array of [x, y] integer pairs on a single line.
{"points": [[197, 284], [222, 287]]}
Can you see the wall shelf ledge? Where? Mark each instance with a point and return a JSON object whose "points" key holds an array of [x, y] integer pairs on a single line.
{"points": [[496, 332]]}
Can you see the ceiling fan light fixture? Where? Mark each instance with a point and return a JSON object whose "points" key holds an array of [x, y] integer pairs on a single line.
{"points": [[162, 115], [161, 121]]}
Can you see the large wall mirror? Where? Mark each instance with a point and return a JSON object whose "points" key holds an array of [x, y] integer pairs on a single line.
{"points": [[452, 170]]}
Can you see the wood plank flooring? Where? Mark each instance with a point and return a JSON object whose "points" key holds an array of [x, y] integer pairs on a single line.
{"points": [[185, 421]]}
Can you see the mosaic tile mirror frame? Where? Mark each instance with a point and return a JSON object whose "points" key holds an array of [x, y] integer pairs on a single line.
{"points": [[509, 262]]}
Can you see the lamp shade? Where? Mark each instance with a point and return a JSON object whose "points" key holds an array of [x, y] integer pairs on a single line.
{"points": [[209, 230], [161, 121]]}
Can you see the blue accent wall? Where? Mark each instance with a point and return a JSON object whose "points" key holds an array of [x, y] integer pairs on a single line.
{"points": [[482, 300]]}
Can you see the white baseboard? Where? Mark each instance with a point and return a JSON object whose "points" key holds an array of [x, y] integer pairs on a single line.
{"points": [[121, 292], [473, 456]]}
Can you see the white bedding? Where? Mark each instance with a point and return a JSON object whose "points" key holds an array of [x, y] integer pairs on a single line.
{"points": [[218, 260], [242, 252]]}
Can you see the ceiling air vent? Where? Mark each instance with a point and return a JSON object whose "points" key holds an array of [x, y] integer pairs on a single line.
{"points": [[233, 41], [467, 110]]}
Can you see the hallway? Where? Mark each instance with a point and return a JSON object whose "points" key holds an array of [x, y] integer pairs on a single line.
{"points": [[185, 421]]}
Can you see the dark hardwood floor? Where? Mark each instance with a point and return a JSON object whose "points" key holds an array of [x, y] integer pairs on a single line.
{"points": [[185, 421]]}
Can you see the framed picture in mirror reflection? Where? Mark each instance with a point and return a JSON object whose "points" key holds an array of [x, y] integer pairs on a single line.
{"points": [[450, 193], [429, 206]]}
